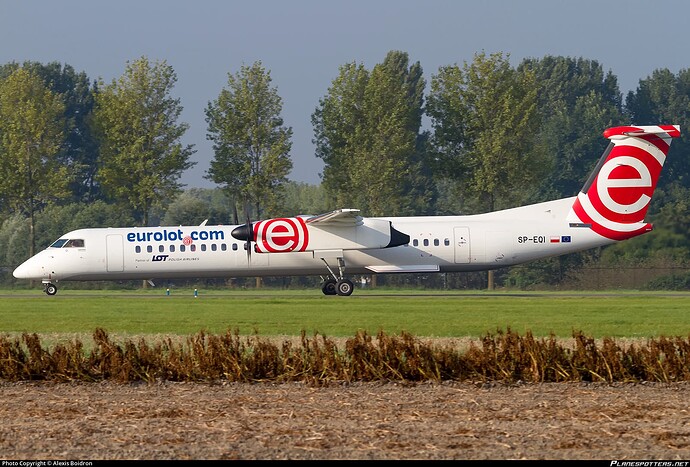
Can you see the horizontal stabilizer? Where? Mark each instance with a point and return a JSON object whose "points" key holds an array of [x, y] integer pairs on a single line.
{"points": [[664, 131]]}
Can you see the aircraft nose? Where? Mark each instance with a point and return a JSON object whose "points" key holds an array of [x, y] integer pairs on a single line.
{"points": [[27, 270], [21, 272]]}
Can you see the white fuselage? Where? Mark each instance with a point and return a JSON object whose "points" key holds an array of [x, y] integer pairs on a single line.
{"points": [[610, 207], [437, 244]]}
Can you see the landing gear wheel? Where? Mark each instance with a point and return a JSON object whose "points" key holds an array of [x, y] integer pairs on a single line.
{"points": [[50, 289], [328, 287], [344, 287]]}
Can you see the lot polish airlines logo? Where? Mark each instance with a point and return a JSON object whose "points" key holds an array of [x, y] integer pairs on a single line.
{"points": [[281, 235], [616, 202]]}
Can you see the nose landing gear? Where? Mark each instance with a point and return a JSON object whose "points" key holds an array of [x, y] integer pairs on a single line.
{"points": [[49, 288]]}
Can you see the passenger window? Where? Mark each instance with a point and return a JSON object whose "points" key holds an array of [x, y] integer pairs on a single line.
{"points": [[161, 248], [446, 242], [223, 246], [137, 249], [426, 242], [149, 249], [203, 247], [172, 248], [415, 242], [182, 248], [436, 242], [214, 247], [192, 247]]}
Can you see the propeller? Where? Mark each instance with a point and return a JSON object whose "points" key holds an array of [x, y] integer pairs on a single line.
{"points": [[249, 229], [245, 233]]}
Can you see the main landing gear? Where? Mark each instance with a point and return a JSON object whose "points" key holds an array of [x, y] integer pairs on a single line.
{"points": [[49, 288], [342, 287], [337, 285]]}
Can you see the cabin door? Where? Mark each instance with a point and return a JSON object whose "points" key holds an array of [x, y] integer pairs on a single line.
{"points": [[462, 245], [114, 253]]}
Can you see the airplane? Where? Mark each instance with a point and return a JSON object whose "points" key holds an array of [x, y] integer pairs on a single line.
{"points": [[610, 208]]}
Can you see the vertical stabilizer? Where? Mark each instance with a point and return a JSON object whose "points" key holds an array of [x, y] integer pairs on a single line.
{"points": [[616, 196]]}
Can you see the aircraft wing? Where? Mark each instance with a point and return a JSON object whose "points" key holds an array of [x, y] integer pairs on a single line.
{"points": [[339, 218]]}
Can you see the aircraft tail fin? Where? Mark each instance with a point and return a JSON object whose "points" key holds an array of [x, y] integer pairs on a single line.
{"points": [[615, 198]]}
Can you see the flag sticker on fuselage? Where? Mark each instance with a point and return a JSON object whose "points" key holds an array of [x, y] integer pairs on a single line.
{"points": [[561, 239]]}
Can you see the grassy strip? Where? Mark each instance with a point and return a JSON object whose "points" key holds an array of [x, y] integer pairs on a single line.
{"points": [[281, 313]]}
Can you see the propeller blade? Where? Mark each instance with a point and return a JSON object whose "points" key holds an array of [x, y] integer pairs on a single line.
{"points": [[250, 236], [245, 233]]}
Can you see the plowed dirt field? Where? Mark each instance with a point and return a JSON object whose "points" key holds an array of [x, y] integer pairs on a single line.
{"points": [[93, 421]]}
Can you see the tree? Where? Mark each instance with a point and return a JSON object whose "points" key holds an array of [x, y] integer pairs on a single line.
{"points": [[485, 122], [577, 102], [250, 142], [14, 249], [31, 135], [195, 205], [367, 132], [337, 121], [664, 98], [79, 151], [136, 121], [306, 199]]}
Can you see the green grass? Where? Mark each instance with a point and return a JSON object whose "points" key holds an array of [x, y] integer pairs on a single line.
{"points": [[277, 312]]}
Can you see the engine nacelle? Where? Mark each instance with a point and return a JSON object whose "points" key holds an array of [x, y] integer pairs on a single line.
{"points": [[287, 234]]}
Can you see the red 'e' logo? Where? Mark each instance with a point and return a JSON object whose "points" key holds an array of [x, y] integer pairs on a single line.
{"points": [[617, 201], [281, 235]]}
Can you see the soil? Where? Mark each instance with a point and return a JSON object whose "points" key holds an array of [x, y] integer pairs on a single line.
{"points": [[96, 421]]}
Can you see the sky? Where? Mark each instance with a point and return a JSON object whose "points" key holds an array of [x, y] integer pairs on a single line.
{"points": [[302, 43]]}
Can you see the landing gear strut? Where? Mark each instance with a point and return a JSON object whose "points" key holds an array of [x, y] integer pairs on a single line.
{"points": [[49, 289], [337, 284]]}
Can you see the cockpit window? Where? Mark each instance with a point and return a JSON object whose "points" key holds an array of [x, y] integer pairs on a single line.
{"points": [[68, 243]]}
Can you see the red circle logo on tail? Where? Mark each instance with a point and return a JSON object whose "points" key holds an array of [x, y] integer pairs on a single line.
{"points": [[617, 201]]}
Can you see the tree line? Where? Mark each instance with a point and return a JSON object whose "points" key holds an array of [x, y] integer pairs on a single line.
{"points": [[76, 152]]}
